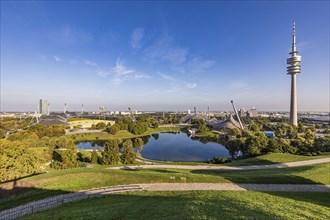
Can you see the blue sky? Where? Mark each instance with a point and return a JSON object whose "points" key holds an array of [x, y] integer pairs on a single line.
{"points": [[162, 55]]}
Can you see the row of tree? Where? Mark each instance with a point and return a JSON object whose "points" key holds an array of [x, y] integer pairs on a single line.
{"points": [[138, 127], [116, 152], [288, 139]]}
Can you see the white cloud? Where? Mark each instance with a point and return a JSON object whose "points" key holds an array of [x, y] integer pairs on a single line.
{"points": [[58, 59], [238, 85], [88, 62], [120, 69], [103, 73], [136, 37], [164, 50], [166, 77], [120, 73], [176, 85], [198, 64], [190, 85]]}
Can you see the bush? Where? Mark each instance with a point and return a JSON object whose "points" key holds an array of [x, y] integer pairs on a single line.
{"points": [[94, 157], [218, 160]]}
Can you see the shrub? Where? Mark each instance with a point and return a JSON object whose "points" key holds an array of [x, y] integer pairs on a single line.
{"points": [[218, 160]]}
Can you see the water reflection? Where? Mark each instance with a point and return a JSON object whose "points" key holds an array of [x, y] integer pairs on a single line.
{"points": [[173, 146]]}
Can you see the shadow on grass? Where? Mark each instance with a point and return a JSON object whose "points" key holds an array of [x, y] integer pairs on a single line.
{"points": [[250, 162], [318, 198], [169, 205], [156, 170], [10, 198], [273, 176]]}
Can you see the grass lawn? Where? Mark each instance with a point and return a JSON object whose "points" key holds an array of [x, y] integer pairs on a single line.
{"points": [[87, 123], [270, 158], [71, 180], [196, 205], [273, 158], [122, 134]]}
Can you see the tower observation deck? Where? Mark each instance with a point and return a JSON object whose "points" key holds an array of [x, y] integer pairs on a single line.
{"points": [[293, 69]]}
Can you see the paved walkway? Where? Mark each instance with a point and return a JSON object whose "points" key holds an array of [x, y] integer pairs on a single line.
{"points": [[205, 167], [235, 187]]}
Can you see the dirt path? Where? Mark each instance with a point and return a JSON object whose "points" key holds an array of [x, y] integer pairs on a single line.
{"points": [[205, 167]]}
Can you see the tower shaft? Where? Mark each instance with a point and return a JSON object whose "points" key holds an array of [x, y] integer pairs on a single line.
{"points": [[293, 70], [293, 103]]}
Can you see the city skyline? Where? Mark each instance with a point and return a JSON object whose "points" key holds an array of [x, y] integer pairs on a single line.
{"points": [[162, 55]]}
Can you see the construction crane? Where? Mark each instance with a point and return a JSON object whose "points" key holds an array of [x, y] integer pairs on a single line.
{"points": [[239, 119]]}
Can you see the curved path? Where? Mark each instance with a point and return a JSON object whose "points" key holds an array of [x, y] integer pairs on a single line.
{"points": [[214, 167]]}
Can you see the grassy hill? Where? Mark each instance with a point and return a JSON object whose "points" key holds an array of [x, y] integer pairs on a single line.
{"points": [[273, 158], [72, 180], [196, 205]]}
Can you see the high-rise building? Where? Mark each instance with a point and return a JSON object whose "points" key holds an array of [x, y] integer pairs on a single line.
{"points": [[43, 107], [101, 108], [64, 111], [293, 69]]}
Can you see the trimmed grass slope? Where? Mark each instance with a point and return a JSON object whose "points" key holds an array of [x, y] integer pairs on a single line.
{"points": [[62, 181], [273, 158], [196, 205]]}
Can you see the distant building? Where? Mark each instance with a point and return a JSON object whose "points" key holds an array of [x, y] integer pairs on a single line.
{"points": [[43, 107], [188, 111], [229, 123], [101, 108], [252, 112], [242, 112], [125, 113]]}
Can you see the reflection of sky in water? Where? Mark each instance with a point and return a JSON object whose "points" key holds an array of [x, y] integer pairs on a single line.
{"points": [[88, 146], [175, 147], [178, 147]]}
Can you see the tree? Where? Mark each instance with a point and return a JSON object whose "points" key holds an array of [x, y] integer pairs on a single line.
{"points": [[254, 128], [256, 144], [301, 127], [138, 144], [292, 132], [94, 157], [66, 156], [128, 155], [322, 144], [16, 160], [234, 145], [114, 129], [111, 154], [236, 132], [156, 124], [100, 126], [2, 133]]}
